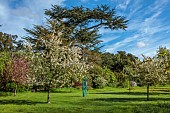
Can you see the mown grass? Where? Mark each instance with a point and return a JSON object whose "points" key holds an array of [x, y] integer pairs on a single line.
{"points": [[107, 100]]}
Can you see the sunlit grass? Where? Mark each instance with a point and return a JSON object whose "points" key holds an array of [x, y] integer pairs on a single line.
{"points": [[107, 100]]}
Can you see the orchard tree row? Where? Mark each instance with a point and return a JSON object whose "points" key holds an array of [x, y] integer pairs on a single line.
{"points": [[67, 49]]}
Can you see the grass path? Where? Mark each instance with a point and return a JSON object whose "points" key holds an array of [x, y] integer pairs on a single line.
{"points": [[108, 100]]}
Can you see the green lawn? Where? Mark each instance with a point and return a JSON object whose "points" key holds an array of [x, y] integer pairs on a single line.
{"points": [[107, 100]]}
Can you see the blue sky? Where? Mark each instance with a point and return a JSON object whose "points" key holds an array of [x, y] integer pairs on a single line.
{"points": [[148, 26]]}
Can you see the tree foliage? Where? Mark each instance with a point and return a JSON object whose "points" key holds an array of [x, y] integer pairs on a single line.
{"points": [[101, 77], [151, 71], [77, 26], [14, 69], [80, 25], [7, 42], [5, 69], [20, 71], [57, 64], [122, 64]]}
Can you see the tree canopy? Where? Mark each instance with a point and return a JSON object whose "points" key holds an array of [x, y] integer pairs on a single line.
{"points": [[67, 49], [79, 25], [7, 41]]}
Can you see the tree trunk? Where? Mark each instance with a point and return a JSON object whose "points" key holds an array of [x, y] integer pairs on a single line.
{"points": [[71, 86], [148, 92], [15, 90], [48, 96], [93, 83]]}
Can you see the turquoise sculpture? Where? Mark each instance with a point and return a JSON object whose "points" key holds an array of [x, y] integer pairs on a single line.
{"points": [[84, 86]]}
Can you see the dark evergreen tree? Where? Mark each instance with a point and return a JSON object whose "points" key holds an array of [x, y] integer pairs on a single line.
{"points": [[7, 42], [79, 24]]}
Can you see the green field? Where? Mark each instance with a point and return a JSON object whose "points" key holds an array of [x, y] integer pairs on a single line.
{"points": [[107, 100]]}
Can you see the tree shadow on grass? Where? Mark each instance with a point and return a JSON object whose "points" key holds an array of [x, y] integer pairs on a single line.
{"points": [[129, 99], [20, 102], [133, 93]]}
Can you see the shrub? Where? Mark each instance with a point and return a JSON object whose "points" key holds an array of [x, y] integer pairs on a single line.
{"points": [[100, 82], [20, 88]]}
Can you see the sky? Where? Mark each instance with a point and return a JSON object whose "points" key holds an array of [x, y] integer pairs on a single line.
{"points": [[148, 25]]}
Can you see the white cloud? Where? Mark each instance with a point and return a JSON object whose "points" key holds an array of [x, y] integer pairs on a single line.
{"points": [[158, 5], [113, 47], [2, 10], [141, 44], [108, 39], [147, 28], [104, 31], [122, 4], [14, 19]]}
